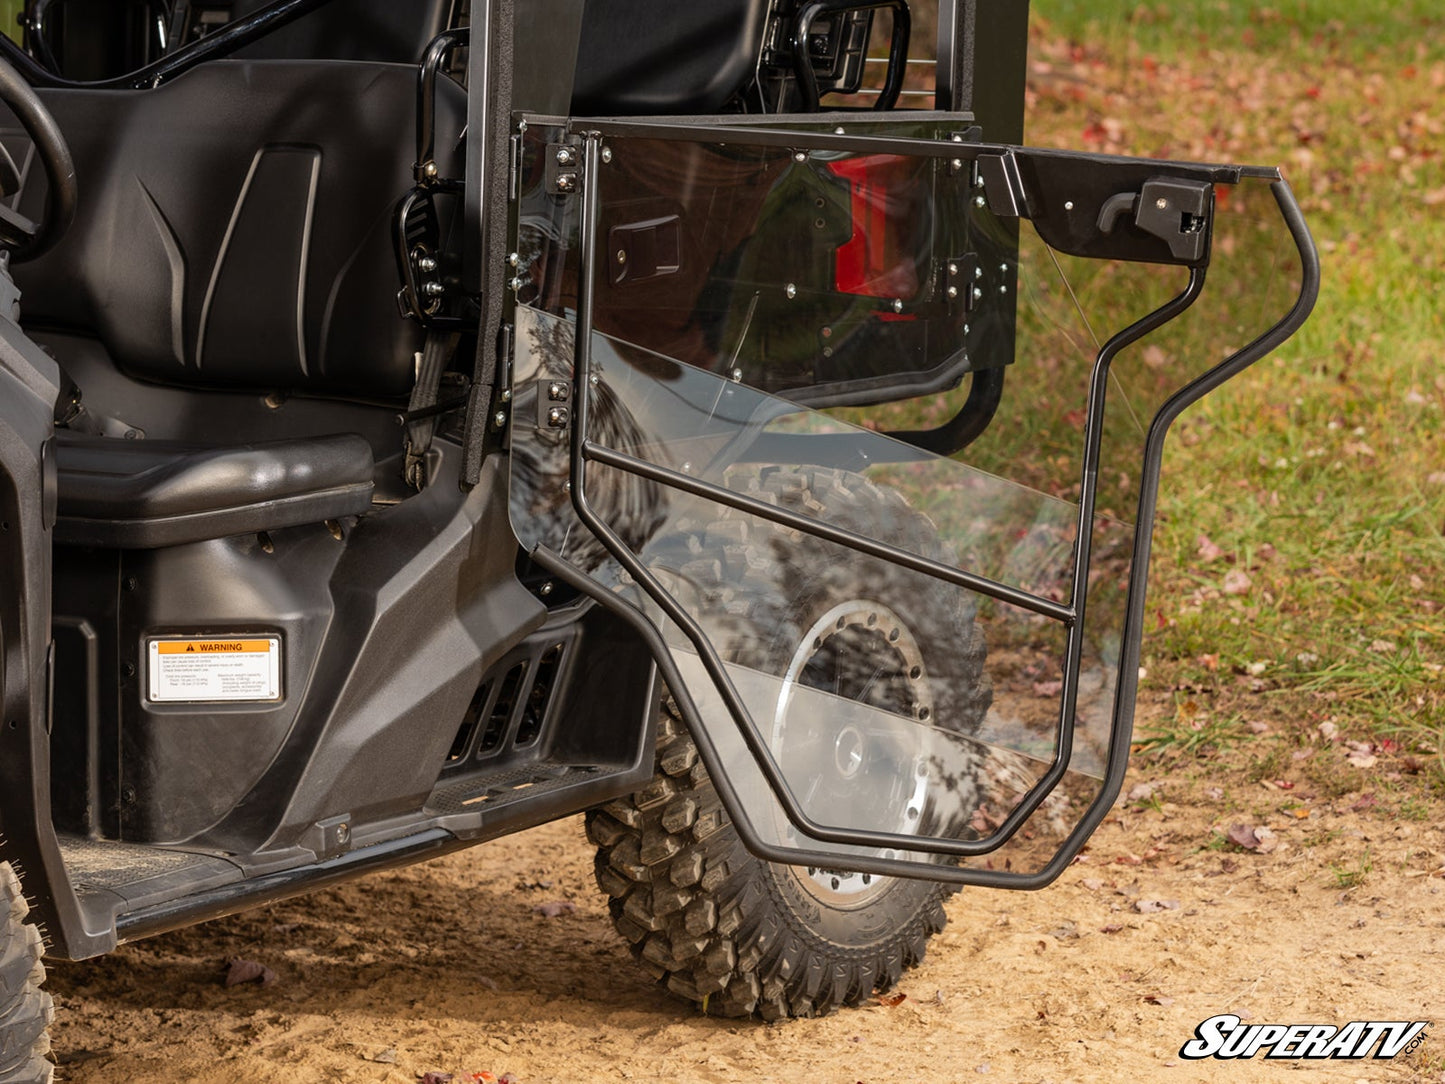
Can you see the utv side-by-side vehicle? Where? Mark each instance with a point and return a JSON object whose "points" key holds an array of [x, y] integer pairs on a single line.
{"points": [[421, 421]]}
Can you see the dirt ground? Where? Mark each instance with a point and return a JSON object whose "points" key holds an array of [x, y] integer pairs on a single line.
{"points": [[449, 968]]}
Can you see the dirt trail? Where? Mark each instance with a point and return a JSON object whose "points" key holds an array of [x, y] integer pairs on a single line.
{"points": [[447, 967]]}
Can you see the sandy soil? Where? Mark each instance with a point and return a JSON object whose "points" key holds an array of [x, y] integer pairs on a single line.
{"points": [[447, 967]]}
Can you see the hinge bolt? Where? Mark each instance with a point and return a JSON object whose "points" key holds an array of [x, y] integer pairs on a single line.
{"points": [[566, 182], [557, 391], [566, 156], [499, 419], [557, 417], [433, 289]]}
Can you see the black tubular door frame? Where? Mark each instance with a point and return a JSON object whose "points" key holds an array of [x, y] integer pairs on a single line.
{"points": [[1017, 201]]}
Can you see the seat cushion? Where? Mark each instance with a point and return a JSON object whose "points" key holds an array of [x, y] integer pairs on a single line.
{"points": [[144, 494]]}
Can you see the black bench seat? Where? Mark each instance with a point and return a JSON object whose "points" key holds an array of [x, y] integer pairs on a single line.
{"points": [[144, 494]]}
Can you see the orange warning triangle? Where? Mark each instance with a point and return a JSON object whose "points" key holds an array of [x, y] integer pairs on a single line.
{"points": [[190, 647]]}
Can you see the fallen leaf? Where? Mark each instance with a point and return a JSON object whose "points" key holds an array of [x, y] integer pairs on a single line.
{"points": [[1236, 582], [1065, 932], [554, 909], [1093, 884], [1365, 801], [1208, 551], [432, 1077], [1243, 835], [386, 1057], [1140, 792], [1111, 928], [1153, 907], [1159, 999], [239, 971], [892, 1000]]}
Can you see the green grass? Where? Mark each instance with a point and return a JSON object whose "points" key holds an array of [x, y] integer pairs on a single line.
{"points": [[1305, 26], [1318, 473]]}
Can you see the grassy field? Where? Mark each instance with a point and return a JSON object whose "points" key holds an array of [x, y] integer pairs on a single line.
{"points": [[1297, 609]]}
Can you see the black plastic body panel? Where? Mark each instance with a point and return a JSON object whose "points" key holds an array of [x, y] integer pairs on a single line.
{"points": [[239, 234]]}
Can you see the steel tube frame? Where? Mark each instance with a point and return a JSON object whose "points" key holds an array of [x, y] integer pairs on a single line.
{"points": [[584, 451]]}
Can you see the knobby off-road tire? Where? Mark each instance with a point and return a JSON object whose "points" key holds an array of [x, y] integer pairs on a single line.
{"points": [[25, 1009], [717, 926]]}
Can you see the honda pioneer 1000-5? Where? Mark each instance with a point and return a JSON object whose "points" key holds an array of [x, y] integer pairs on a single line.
{"points": [[423, 421]]}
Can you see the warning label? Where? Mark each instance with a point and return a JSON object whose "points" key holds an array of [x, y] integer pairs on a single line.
{"points": [[215, 671]]}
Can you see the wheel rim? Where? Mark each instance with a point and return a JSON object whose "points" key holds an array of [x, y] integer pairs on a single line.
{"points": [[860, 650]]}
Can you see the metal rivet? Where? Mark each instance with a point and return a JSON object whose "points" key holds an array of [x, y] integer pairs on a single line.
{"points": [[343, 833], [791, 290], [737, 374], [687, 468], [953, 269], [593, 379], [427, 263], [838, 130], [566, 156], [953, 291], [514, 259], [1003, 289], [566, 182], [966, 329], [1162, 204], [621, 255], [978, 201], [897, 304], [429, 170], [978, 272], [516, 284], [977, 294], [1068, 205], [557, 417], [956, 164], [800, 156], [499, 419], [506, 395], [606, 154], [433, 289], [1003, 269], [545, 589], [557, 391]]}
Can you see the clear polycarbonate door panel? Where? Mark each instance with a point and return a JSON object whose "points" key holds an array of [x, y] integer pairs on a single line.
{"points": [[899, 648]]}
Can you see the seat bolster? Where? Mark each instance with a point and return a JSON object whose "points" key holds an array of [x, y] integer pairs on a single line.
{"points": [[139, 494]]}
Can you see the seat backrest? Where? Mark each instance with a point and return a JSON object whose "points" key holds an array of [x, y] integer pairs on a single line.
{"points": [[234, 227], [639, 57], [383, 31]]}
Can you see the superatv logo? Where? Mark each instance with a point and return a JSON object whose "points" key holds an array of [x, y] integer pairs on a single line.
{"points": [[1226, 1036]]}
